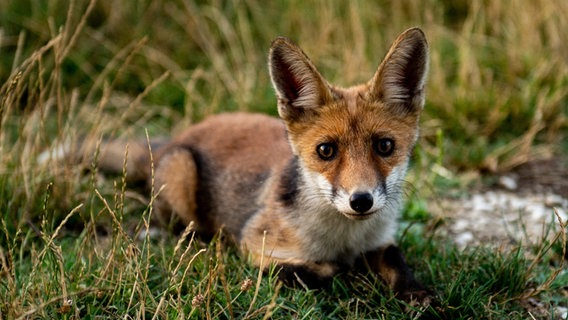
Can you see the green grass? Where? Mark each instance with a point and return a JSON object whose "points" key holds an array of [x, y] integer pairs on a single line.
{"points": [[70, 244]]}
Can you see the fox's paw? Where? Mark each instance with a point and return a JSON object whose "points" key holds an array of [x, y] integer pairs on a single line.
{"points": [[301, 276], [309, 275], [420, 297], [418, 301]]}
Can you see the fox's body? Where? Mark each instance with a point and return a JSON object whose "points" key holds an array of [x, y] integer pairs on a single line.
{"points": [[315, 190], [249, 182]]}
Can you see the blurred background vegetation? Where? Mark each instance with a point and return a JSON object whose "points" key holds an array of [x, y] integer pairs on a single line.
{"points": [[497, 91]]}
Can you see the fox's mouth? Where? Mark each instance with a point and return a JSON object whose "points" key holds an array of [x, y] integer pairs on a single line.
{"points": [[359, 216]]}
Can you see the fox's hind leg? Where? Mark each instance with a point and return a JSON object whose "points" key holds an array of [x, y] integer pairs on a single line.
{"points": [[175, 183]]}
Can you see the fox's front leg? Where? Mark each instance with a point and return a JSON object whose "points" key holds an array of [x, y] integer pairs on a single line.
{"points": [[390, 265], [296, 272], [309, 274]]}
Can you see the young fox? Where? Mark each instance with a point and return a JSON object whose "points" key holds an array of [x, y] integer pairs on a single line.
{"points": [[314, 192]]}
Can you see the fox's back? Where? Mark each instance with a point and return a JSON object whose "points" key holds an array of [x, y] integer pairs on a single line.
{"points": [[239, 142]]}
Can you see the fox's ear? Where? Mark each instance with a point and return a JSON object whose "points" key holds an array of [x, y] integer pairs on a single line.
{"points": [[299, 86], [401, 77]]}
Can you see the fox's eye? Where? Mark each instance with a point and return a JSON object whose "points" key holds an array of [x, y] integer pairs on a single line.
{"points": [[326, 151], [384, 147]]}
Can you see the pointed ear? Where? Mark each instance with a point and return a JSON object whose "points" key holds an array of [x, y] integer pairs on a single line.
{"points": [[298, 84], [401, 77]]}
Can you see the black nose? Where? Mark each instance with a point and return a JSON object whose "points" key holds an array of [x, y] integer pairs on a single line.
{"points": [[361, 201]]}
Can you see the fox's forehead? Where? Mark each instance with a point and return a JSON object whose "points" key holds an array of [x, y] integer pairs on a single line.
{"points": [[350, 97], [354, 119], [355, 116]]}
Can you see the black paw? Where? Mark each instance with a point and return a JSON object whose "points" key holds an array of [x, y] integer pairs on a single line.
{"points": [[300, 276], [419, 297]]}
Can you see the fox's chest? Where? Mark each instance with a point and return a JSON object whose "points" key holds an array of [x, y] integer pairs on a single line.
{"points": [[329, 236]]}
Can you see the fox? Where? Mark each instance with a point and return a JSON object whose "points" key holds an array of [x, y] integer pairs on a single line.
{"points": [[317, 190]]}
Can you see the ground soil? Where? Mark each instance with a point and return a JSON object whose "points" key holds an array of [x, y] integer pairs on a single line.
{"points": [[523, 206]]}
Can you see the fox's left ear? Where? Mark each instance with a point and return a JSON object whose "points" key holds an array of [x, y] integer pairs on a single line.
{"points": [[400, 79], [300, 87]]}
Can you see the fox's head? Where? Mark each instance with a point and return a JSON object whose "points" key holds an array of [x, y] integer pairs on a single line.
{"points": [[353, 143]]}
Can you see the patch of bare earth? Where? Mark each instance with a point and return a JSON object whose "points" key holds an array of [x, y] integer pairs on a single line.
{"points": [[522, 208], [500, 218]]}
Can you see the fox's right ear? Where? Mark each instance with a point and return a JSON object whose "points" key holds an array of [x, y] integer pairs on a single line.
{"points": [[299, 86], [401, 76]]}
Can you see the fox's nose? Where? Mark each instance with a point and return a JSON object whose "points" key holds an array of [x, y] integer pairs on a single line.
{"points": [[361, 201]]}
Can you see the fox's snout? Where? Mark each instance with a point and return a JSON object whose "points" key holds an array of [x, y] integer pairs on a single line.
{"points": [[361, 202]]}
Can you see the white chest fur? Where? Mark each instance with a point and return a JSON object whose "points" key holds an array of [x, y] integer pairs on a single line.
{"points": [[330, 236]]}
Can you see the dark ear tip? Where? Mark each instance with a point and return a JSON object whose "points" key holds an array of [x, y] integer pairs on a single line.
{"points": [[277, 48], [415, 31], [280, 42], [416, 34]]}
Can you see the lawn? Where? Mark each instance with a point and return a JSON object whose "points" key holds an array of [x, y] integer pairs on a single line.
{"points": [[75, 243]]}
